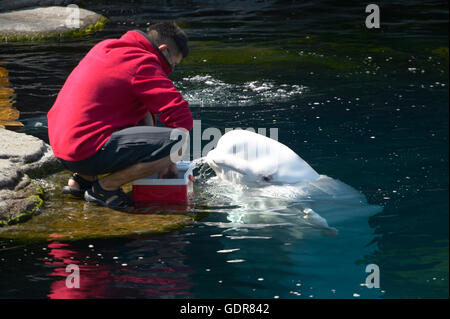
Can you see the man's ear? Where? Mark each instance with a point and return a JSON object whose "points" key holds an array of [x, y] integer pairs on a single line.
{"points": [[163, 47]]}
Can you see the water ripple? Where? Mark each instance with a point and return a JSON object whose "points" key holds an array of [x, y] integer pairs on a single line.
{"points": [[206, 91]]}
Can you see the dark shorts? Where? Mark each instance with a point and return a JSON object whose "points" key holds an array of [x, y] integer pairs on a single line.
{"points": [[125, 148]]}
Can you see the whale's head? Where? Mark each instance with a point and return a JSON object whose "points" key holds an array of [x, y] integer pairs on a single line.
{"points": [[243, 156]]}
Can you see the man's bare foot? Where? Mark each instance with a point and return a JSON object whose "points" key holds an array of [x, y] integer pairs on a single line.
{"points": [[72, 183], [78, 183]]}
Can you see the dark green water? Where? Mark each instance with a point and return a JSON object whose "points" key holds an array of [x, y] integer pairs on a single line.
{"points": [[366, 107]]}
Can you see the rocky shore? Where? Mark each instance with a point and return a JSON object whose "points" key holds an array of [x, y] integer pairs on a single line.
{"points": [[21, 157], [31, 179]]}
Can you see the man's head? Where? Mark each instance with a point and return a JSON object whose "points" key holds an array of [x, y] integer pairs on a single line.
{"points": [[171, 41]]}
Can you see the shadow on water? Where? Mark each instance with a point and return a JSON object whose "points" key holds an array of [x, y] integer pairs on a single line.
{"points": [[366, 107]]}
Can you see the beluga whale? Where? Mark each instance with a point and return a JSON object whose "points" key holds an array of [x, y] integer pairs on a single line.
{"points": [[269, 206], [243, 156], [273, 186], [272, 183]]}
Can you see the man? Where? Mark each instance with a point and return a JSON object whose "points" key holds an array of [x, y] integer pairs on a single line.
{"points": [[102, 120]]}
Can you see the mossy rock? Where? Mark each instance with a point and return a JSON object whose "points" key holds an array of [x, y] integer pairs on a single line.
{"points": [[380, 50], [20, 204], [67, 219], [38, 24], [205, 53]]}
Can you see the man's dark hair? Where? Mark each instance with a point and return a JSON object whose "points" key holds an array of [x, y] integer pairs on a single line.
{"points": [[169, 30]]}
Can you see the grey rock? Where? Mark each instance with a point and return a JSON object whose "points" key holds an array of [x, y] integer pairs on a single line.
{"points": [[21, 155], [9, 175], [20, 206], [20, 148], [46, 20], [46, 164], [19, 4]]}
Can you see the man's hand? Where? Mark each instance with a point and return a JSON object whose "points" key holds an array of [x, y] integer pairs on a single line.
{"points": [[170, 172]]}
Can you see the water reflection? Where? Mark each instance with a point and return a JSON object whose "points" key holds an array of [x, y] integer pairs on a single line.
{"points": [[266, 246], [8, 114], [147, 270]]}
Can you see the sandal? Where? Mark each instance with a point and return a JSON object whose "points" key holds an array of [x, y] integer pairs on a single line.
{"points": [[83, 183], [115, 199]]}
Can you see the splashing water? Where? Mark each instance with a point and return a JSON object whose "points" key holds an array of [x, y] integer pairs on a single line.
{"points": [[205, 90], [312, 225], [303, 208]]}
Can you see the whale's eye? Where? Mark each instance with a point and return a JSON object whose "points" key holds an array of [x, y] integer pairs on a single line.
{"points": [[267, 178]]}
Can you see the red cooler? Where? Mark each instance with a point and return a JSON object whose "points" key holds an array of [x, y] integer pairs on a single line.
{"points": [[173, 190]]}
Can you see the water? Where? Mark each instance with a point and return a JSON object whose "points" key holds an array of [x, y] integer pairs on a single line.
{"points": [[368, 108]]}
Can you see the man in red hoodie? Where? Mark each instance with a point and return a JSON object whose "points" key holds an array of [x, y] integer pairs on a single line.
{"points": [[103, 119]]}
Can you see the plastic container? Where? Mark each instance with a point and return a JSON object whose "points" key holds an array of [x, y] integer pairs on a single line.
{"points": [[171, 190]]}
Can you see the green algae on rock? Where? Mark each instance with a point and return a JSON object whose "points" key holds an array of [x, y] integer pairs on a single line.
{"points": [[441, 51], [22, 204], [48, 23], [21, 155], [67, 219], [257, 55]]}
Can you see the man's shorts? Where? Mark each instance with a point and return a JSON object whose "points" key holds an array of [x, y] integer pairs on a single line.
{"points": [[127, 147]]}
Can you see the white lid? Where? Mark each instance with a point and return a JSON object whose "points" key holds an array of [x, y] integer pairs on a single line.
{"points": [[183, 166]]}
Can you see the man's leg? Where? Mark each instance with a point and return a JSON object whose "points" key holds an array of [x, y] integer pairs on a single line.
{"points": [[107, 192], [147, 121], [115, 180], [130, 155]]}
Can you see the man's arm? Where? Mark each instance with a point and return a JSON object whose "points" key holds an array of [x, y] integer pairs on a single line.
{"points": [[160, 96]]}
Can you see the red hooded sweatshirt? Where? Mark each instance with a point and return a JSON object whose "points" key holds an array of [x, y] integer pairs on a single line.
{"points": [[112, 88]]}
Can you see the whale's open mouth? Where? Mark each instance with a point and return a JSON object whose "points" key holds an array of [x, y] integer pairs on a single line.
{"points": [[220, 167]]}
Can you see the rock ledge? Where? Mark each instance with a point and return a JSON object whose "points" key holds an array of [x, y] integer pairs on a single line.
{"points": [[48, 22], [22, 156]]}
